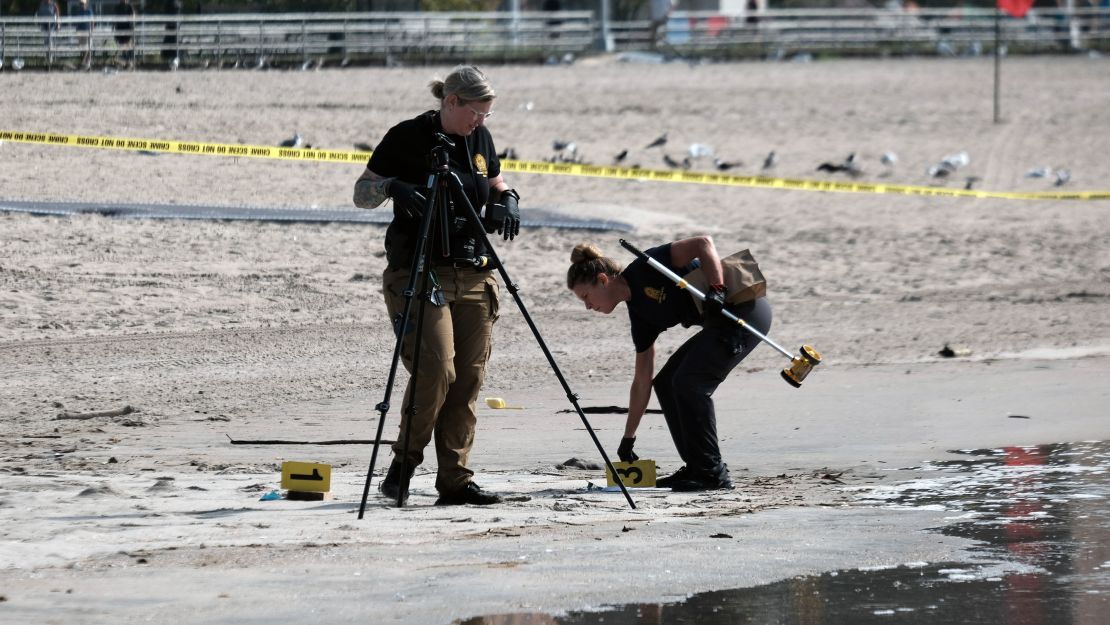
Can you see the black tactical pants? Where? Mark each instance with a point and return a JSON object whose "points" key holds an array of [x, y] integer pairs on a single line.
{"points": [[685, 385]]}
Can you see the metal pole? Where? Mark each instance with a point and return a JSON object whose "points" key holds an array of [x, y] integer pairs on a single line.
{"points": [[997, 62], [514, 7], [606, 36]]}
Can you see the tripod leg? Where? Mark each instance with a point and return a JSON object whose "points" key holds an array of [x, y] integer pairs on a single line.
{"points": [[420, 262], [410, 409], [511, 286], [572, 396], [383, 406]]}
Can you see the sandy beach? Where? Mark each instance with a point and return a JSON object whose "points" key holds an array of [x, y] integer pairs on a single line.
{"points": [[212, 331]]}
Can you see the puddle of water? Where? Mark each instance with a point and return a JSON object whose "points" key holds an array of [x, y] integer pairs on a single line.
{"points": [[1041, 516]]}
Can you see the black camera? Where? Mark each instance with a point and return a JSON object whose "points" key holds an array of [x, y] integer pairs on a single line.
{"points": [[464, 253], [463, 250]]}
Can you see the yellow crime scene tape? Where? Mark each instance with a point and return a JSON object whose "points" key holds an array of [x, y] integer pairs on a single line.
{"points": [[536, 167]]}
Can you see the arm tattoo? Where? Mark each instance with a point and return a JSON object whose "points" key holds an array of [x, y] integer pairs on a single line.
{"points": [[371, 190]]}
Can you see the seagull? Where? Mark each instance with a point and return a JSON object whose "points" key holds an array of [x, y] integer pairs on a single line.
{"points": [[1039, 172], [619, 158], [970, 182], [364, 147], [175, 63], [1062, 177], [565, 152], [940, 170], [889, 159], [296, 142], [725, 165], [700, 150], [660, 140], [949, 164], [770, 161], [957, 160], [848, 166], [673, 164]]}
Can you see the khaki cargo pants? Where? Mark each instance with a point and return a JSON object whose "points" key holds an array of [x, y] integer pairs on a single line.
{"points": [[455, 346]]}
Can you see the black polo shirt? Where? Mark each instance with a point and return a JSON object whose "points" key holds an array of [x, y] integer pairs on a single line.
{"points": [[657, 303], [404, 153]]}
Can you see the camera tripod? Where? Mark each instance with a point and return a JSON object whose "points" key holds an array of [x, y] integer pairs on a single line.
{"points": [[445, 194]]}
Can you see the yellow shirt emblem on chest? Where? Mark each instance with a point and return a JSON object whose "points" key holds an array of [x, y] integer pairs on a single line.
{"points": [[480, 165], [654, 294]]}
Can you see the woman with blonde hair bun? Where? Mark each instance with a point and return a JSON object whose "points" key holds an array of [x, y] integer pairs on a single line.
{"points": [[458, 322], [685, 384]]}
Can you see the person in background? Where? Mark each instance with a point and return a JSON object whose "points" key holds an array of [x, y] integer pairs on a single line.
{"points": [[459, 319], [125, 31], [660, 13], [84, 32], [685, 384], [49, 14]]}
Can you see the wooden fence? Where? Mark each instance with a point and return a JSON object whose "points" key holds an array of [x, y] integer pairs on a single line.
{"points": [[314, 39]]}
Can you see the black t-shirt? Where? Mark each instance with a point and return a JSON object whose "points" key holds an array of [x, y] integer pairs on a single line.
{"points": [[405, 153], [657, 303]]}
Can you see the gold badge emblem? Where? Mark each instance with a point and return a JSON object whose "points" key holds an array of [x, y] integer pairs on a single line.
{"points": [[480, 165], [657, 295]]}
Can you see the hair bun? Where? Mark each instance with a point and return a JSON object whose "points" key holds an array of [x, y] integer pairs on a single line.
{"points": [[584, 252]]}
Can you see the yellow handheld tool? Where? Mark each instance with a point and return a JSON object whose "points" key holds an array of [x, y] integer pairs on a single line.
{"points": [[800, 365]]}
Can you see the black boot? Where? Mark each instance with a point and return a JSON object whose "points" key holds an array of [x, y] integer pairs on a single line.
{"points": [[707, 479], [665, 482], [392, 484], [470, 494]]}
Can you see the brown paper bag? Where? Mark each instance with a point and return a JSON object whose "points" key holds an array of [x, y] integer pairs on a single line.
{"points": [[743, 279]]}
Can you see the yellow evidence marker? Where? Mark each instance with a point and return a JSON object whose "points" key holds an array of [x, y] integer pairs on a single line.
{"points": [[638, 474], [305, 480]]}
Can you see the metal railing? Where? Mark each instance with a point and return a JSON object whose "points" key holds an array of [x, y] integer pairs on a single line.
{"points": [[296, 40], [315, 39], [778, 33]]}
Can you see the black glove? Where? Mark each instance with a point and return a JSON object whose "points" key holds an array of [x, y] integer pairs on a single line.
{"points": [[408, 201], [624, 452], [715, 300], [503, 216]]}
